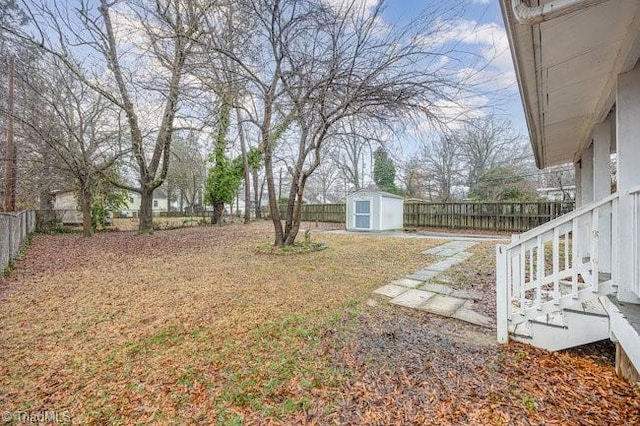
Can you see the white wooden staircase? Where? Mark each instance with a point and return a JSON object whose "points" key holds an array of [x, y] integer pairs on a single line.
{"points": [[550, 280]]}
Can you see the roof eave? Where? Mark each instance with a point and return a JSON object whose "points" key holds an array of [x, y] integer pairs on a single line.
{"points": [[532, 118]]}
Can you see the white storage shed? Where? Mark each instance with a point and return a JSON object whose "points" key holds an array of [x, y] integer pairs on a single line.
{"points": [[372, 210]]}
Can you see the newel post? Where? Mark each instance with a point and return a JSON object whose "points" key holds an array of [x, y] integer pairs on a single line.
{"points": [[502, 294]]}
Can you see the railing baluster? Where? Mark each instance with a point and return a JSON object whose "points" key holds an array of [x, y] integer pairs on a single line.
{"points": [[539, 271], [614, 242], [556, 265], [574, 257], [511, 281], [523, 280], [531, 265], [595, 259], [566, 251], [515, 267]]}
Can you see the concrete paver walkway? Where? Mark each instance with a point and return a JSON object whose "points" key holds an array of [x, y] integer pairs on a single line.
{"points": [[418, 292]]}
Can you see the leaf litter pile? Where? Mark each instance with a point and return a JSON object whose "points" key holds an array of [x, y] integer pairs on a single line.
{"points": [[195, 326]]}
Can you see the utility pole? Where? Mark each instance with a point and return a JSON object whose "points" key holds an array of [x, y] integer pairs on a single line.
{"points": [[10, 151]]}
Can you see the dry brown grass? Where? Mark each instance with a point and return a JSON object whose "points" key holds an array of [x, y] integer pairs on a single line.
{"points": [[183, 324]]}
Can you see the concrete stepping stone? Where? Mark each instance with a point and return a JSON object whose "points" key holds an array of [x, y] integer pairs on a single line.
{"points": [[423, 275], [412, 298], [443, 305], [407, 282], [437, 288], [441, 266], [472, 317], [390, 290], [463, 255], [467, 294]]}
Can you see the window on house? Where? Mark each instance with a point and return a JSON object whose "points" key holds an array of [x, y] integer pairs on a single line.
{"points": [[155, 203]]}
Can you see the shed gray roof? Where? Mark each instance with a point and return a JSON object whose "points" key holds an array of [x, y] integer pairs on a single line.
{"points": [[377, 191]]}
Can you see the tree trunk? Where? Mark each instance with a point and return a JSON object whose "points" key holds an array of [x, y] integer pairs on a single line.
{"points": [[294, 224], [218, 210], [85, 194], [294, 208], [257, 195], [273, 201], [146, 211], [245, 165]]}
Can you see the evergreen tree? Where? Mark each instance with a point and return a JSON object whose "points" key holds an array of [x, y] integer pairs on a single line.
{"points": [[384, 171]]}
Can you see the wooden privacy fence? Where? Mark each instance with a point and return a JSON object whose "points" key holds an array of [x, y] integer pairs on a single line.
{"points": [[502, 216], [321, 212]]}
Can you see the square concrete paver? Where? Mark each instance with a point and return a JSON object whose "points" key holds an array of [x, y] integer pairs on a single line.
{"points": [[423, 275], [463, 255], [407, 282], [437, 288], [412, 298], [467, 294], [443, 305], [441, 266], [390, 290], [472, 317]]}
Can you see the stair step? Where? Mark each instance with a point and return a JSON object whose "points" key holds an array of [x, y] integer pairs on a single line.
{"points": [[555, 319], [576, 328], [590, 307], [522, 330]]}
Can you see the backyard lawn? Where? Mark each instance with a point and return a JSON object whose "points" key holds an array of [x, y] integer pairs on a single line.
{"points": [[199, 326]]}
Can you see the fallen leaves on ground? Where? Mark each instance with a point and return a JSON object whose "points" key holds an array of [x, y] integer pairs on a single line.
{"points": [[415, 368], [182, 324], [193, 325], [478, 273]]}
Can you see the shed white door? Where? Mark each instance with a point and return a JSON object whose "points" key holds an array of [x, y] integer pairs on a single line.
{"points": [[363, 214]]}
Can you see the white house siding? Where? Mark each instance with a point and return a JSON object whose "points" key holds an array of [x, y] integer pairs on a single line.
{"points": [[67, 201], [160, 204]]}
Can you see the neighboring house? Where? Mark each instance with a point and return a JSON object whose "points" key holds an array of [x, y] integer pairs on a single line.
{"points": [[576, 279], [567, 193], [160, 203], [67, 202]]}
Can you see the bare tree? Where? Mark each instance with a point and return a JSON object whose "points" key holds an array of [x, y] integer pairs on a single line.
{"points": [[82, 129], [440, 158], [413, 178], [352, 146], [187, 171], [87, 39], [486, 143], [318, 65], [322, 183], [561, 177]]}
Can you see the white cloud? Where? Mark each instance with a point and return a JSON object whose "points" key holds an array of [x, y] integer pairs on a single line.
{"points": [[492, 43], [358, 4], [480, 1], [360, 9]]}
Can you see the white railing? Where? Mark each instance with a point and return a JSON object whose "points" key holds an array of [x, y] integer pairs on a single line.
{"points": [[635, 234], [556, 265]]}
